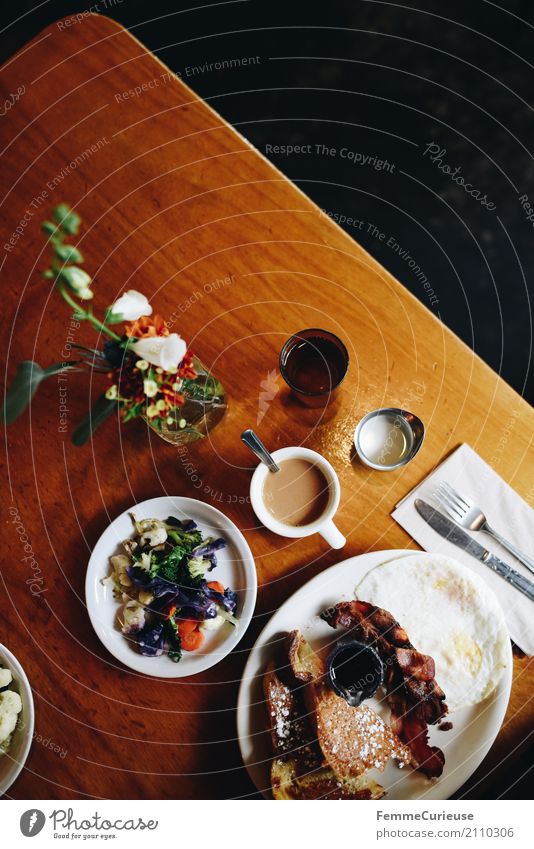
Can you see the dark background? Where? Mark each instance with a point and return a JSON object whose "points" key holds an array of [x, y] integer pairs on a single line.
{"points": [[378, 79]]}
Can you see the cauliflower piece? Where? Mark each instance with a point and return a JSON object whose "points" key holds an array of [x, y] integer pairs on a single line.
{"points": [[152, 532], [213, 624], [5, 677], [109, 581], [146, 597], [130, 546], [10, 707], [145, 562], [120, 564], [134, 617]]}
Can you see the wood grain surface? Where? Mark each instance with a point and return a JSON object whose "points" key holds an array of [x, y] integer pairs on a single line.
{"points": [[177, 204]]}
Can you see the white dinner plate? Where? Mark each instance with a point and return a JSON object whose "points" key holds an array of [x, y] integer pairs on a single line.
{"points": [[465, 745], [235, 569]]}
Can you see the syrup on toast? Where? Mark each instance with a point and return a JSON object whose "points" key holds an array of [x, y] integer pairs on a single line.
{"points": [[352, 740]]}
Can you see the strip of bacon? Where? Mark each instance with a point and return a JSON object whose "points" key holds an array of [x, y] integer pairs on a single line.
{"points": [[414, 696]]}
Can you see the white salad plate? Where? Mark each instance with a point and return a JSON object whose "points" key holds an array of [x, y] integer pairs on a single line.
{"points": [[235, 569], [12, 762], [465, 745]]}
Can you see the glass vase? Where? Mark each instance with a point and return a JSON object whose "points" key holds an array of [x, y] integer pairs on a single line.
{"points": [[204, 407]]}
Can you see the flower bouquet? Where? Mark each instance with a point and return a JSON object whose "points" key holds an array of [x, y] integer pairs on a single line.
{"points": [[150, 371]]}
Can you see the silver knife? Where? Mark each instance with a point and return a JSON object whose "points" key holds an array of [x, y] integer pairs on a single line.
{"points": [[452, 532]]}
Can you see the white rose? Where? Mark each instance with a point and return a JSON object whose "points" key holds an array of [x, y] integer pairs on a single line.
{"points": [[130, 306], [165, 351]]}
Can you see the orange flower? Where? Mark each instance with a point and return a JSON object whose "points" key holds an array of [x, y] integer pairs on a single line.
{"points": [[146, 326]]}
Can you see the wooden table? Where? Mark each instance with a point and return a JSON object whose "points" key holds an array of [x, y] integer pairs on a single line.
{"points": [[177, 204]]}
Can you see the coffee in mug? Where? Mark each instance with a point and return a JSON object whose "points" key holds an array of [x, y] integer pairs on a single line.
{"points": [[298, 494]]}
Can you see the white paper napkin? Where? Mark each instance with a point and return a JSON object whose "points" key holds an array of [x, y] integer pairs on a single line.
{"points": [[506, 512]]}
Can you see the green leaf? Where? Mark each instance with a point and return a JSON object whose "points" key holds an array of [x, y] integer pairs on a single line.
{"points": [[75, 278], [68, 253], [133, 412], [101, 410], [49, 227], [26, 383], [68, 220]]}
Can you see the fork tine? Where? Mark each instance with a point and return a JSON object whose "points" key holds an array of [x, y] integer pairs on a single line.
{"points": [[450, 495], [451, 507], [456, 495], [448, 491]]}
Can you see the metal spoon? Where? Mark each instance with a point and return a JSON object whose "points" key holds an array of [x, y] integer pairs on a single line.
{"points": [[255, 444]]}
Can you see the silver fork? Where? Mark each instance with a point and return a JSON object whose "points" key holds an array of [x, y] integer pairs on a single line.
{"points": [[465, 513]]}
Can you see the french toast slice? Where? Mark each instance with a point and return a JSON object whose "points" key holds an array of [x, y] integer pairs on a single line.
{"points": [[306, 665], [291, 732], [352, 740], [323, 783]]}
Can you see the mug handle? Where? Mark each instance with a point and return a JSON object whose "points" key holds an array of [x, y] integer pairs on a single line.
{"points": [[332, 535]]}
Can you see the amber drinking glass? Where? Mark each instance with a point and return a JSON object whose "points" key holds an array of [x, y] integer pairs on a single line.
{"points": [[314, 363]]}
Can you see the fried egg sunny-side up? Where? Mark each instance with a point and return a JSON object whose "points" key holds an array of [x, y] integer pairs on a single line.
{"points": [[449, 613]]}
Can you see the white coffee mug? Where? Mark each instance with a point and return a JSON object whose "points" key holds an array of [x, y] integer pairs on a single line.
{"points": [[324, 524]]}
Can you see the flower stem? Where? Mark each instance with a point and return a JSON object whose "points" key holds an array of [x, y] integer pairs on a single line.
{"points": [[86, 315]]}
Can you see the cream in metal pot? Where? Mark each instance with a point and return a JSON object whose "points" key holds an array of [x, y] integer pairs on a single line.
{"points": [[388, 438]]}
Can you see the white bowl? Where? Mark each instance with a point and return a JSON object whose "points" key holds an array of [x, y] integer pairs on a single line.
{"points": [[12, 762], [235, 569]]}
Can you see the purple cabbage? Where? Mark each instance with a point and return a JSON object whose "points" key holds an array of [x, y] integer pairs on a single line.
{"points": [[230, 601], [226, 600], [185, 525], [197, 604], [157, 586], [140, 577], [201, 607], [162, 603], [193, 604], [207, 551], [151, 640]]}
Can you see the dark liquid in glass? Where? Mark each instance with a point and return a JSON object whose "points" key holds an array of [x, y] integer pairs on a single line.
{"points": [[315, 365]]}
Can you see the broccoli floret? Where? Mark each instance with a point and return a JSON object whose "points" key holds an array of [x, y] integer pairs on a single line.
{"points": [[198, 567]]}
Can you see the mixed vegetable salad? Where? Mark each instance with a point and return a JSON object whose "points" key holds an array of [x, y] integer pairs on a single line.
{"points": [[162, 580]]}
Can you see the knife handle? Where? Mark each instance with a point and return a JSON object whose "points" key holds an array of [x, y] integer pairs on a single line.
{"points": [[516, 579], [523, 558]]}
